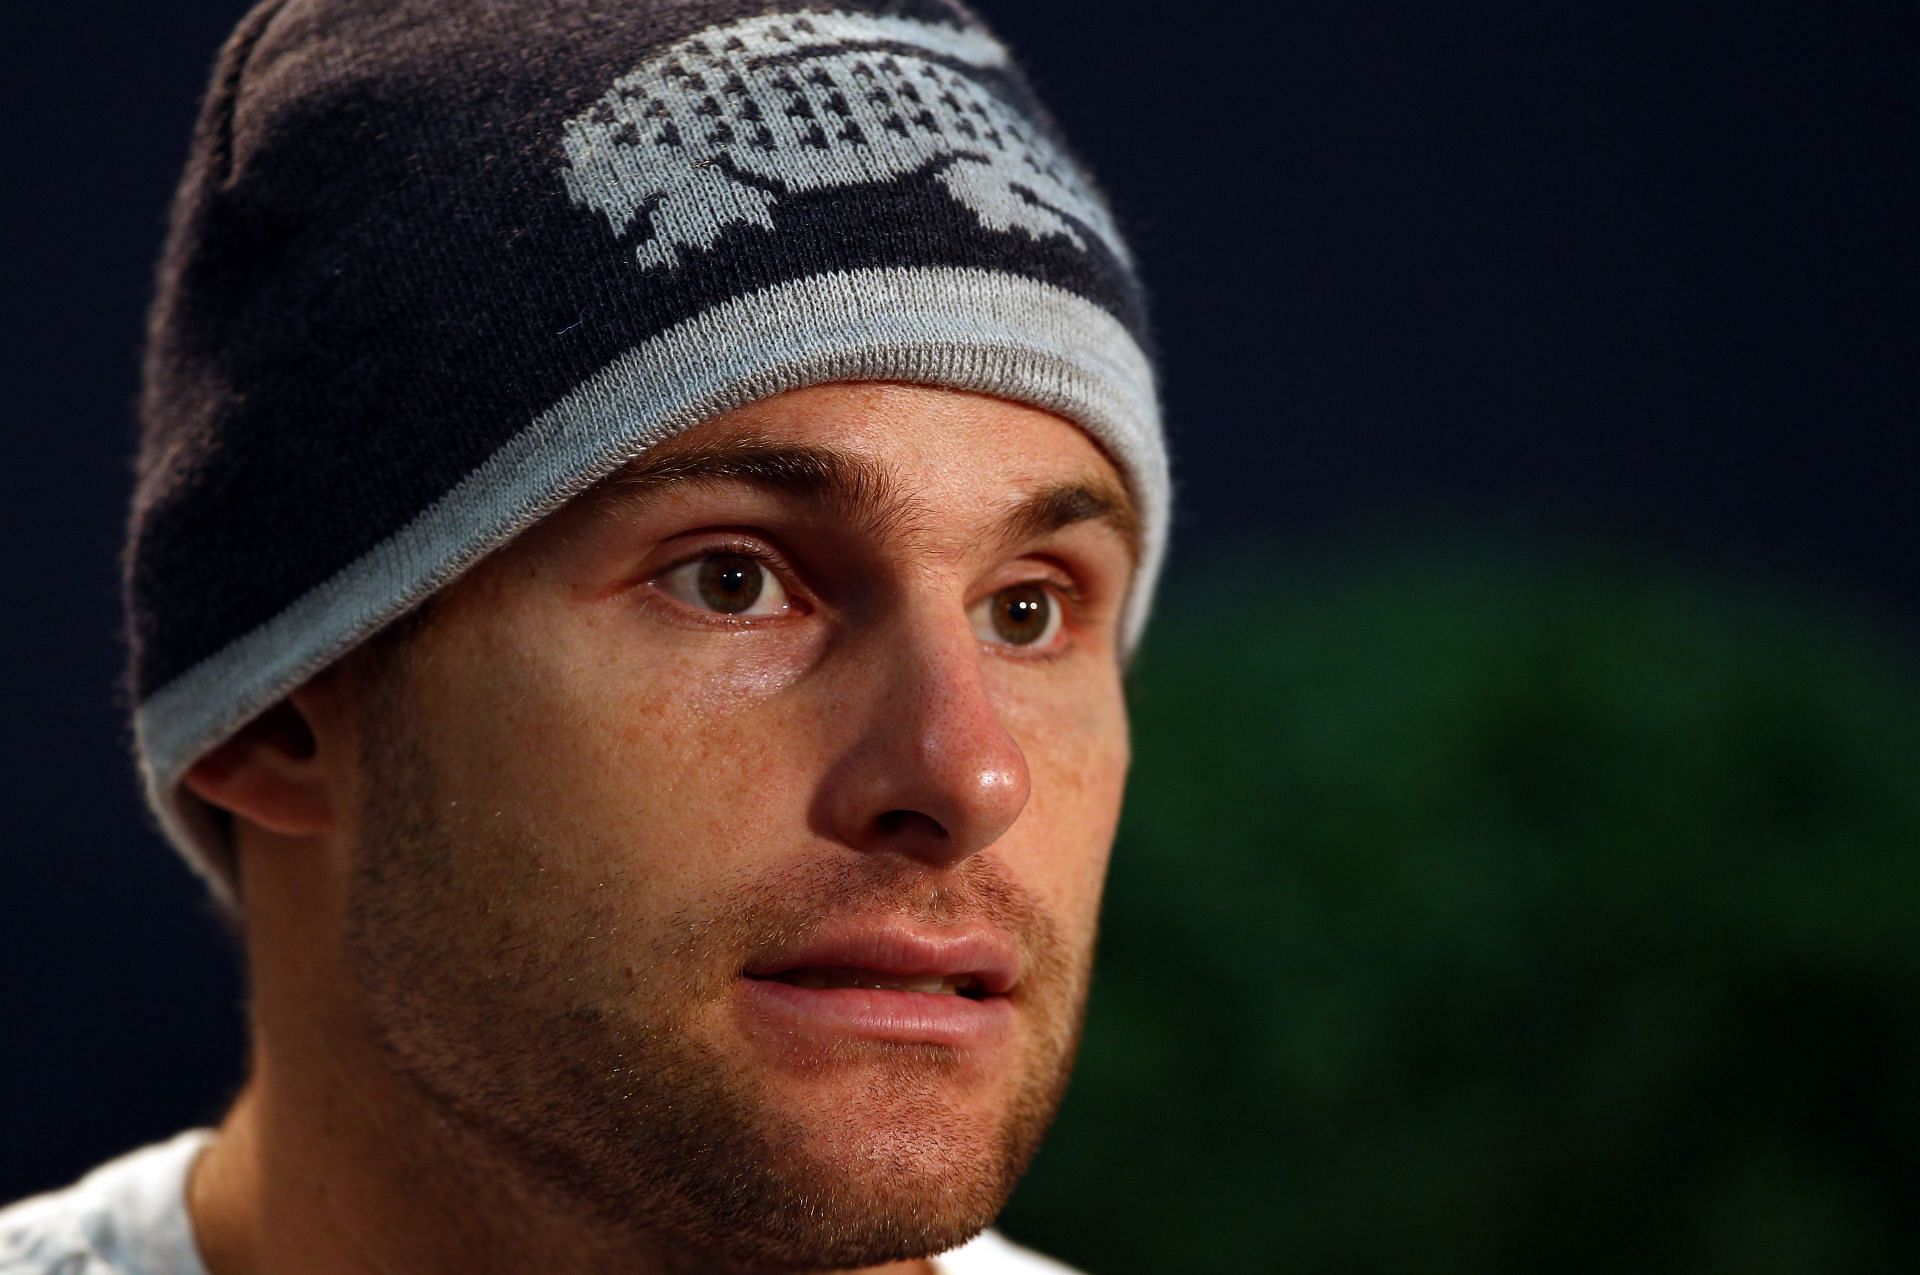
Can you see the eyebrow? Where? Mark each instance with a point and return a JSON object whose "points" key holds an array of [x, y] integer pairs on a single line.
{"points": [[1063, 505], [865, 493]]}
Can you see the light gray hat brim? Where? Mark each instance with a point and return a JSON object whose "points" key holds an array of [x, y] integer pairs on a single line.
{"points": [[971, 329]]}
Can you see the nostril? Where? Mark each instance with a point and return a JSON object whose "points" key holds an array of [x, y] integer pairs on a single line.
{"points": [[894, 822]]}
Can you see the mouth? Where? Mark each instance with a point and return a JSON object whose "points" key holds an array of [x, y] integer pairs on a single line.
{"points": [[968, 986], [884, 982]]}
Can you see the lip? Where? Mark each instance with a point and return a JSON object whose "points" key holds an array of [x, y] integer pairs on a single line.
{"points": [[888, 948], [903, 951]]}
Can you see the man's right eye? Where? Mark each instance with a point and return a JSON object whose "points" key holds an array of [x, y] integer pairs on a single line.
{"points": [[732, 584]]}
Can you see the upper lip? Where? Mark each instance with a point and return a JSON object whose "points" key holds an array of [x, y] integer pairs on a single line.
{"points": [[891, 948]]}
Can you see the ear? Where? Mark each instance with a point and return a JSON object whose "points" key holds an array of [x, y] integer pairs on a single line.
{"points": [[277, 772]]}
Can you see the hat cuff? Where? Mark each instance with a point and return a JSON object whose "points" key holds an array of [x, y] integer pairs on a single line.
{"points": [[987, 331]]}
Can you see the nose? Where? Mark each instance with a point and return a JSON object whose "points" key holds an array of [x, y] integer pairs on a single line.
{"points": [[930, 771]]}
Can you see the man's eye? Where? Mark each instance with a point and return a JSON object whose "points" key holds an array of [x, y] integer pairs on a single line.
{"points": [[732, 584], [1024, 615]]}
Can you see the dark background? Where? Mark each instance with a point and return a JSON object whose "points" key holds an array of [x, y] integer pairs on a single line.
{"points": [[1541, 418]]}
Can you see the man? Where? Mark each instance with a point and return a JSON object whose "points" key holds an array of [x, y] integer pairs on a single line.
{"points": [[642, 513]]}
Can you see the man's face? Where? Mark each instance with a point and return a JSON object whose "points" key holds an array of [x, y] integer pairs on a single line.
{"points": [[727, 850]]}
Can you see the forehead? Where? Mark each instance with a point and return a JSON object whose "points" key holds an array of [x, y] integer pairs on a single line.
{"points": [[891, 457], [905, 428]]}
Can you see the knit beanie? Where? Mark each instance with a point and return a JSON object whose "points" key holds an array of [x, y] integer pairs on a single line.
{"points": [[434, 267]]}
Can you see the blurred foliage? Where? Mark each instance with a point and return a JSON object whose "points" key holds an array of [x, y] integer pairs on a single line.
{"points": [[1473, 913]]}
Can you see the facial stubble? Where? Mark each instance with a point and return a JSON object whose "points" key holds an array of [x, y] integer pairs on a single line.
{"points": [[535, 1018]]}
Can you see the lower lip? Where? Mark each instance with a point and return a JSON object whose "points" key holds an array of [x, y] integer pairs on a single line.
{"points": [[925, 1018]]}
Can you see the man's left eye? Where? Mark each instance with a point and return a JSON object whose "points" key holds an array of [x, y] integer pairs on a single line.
{"points": [[730, 584], [1026, 615]]}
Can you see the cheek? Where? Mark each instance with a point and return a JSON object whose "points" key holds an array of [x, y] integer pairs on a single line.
{"points": [[630, 762], [1077, 757]]}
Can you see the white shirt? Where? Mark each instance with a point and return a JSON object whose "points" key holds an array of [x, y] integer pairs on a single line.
{"points": [[129, 1217]]}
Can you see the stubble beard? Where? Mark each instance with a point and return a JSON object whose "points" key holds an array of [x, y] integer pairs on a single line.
{"points": [[584, 1068]]}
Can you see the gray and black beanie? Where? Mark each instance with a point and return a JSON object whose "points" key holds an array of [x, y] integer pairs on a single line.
{"points": [[437, 266]]}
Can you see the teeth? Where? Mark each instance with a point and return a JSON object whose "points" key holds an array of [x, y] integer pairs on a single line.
{"points": [[932, 983], [929, 984]]}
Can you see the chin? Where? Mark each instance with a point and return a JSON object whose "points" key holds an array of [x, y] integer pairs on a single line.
{"points": [[893, 1195], [864, 1160]]}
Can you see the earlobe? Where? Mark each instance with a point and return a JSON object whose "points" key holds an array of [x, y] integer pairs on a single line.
{"points": [[273, 773]]}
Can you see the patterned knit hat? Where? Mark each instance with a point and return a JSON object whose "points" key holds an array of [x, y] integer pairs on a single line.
{"points": [[437, 266]]}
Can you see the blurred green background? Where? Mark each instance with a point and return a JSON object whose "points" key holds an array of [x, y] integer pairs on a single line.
{"points": [[1478, 910]]}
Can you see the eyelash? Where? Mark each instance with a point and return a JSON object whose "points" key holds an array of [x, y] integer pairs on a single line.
{"points": [[759, 553], [1072, 604], [1069, 596]]}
